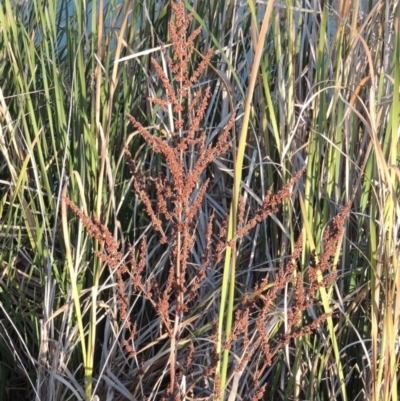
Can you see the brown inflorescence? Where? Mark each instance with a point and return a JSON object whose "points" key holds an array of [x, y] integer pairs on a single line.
{"points": [[173, 213], [303, 299]]}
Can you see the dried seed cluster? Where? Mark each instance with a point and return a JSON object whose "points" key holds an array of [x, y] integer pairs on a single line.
{"points": [[178, 201]]}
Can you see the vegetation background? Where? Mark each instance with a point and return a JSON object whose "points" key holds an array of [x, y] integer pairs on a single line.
{"points": [[311, 84]]}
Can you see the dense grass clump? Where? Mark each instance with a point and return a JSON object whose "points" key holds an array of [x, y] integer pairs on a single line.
{"points": [[199, 201]]}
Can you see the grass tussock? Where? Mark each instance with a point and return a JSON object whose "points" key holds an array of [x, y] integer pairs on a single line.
{"points": [[193, 209]]}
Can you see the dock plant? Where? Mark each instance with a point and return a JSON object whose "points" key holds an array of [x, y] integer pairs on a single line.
{"points": [[191, 244]]}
